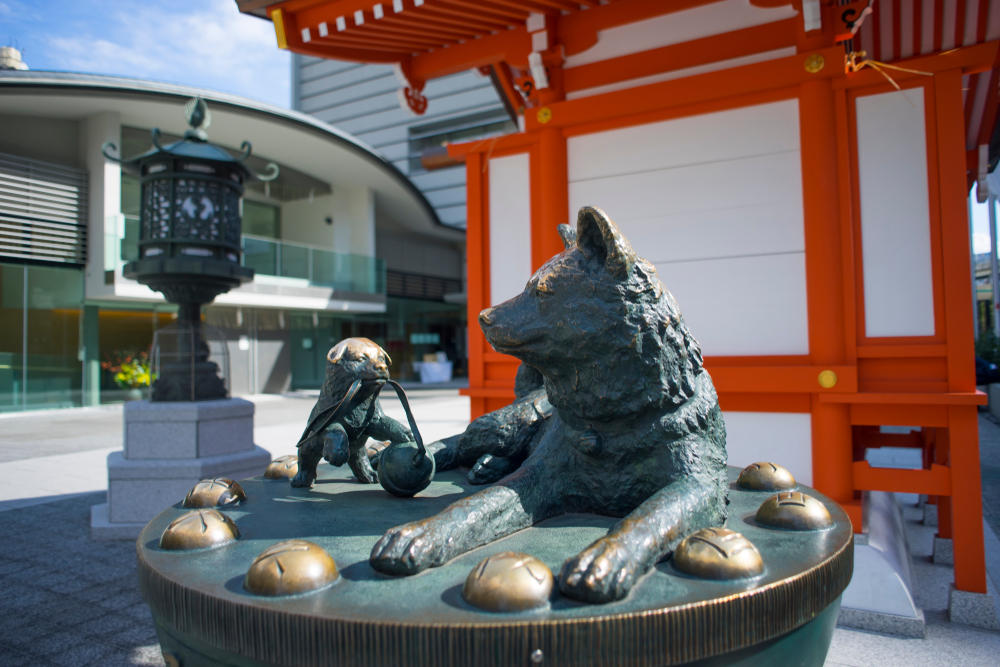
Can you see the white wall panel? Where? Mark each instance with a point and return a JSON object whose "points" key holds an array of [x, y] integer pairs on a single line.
{"points": [[744, 206], [716, 18], [715, 202], [714, 137], [510, 226], [895, 214], [744, 305], [782, 438]]}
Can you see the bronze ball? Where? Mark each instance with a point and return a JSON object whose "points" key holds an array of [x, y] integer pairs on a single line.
{"points": [[220, 492], [403, 472], [794, 511], [718, 553], [200, 529], [290, 568], [509, 581], [765, 477], [285, 467]]}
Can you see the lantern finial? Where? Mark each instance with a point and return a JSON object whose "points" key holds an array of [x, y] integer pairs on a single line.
{"points": [[197, 115]]}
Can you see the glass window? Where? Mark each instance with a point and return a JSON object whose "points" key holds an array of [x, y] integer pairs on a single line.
{"points": [[11, 337], [261, 219], [55, 371], [476, 126]]}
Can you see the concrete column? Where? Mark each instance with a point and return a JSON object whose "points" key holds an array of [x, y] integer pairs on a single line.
{"points": [[91, 356], [104, 194]]}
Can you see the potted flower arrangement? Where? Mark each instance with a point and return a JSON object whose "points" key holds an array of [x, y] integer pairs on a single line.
{"points": [[130, 371]]}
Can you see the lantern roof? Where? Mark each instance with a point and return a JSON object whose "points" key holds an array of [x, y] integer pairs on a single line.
{"points": [[187, 148], [195, 146]]}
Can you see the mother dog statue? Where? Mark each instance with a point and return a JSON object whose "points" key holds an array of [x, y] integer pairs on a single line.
{"points": [[628, 424]]}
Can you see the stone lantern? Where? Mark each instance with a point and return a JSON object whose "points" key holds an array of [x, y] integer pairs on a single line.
{"points": [[189, 249]]}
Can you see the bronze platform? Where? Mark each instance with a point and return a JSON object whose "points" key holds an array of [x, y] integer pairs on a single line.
{"points": [[205, 616]]}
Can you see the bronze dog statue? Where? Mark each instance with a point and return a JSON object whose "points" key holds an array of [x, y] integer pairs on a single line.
{"points": [[628, 424], [348, 412]]}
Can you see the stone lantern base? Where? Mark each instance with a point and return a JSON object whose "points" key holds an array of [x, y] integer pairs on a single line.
{"points": [[170, 447]]}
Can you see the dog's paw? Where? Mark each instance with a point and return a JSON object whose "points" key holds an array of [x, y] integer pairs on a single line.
{"points": [[490, 469], [603, 572], [406, 549], [303, 479], [336, 447]]}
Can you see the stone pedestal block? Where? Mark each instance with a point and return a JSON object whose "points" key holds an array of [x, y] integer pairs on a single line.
{"points": [[930, 515], [975, 609], [139, 490], [168, 448], [187, 430], [944, 553]]}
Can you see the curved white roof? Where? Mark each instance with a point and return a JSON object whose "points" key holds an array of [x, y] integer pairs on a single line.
{"points": [[287, 137]]}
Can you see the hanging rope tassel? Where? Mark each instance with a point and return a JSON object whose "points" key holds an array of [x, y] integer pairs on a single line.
{"points": [[853, 65]]}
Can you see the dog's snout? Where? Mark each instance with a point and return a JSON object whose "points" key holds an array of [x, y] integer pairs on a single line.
{"points": [[486, 318]]}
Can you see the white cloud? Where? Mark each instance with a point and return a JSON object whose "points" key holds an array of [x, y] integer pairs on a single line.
{"points": [[211, 45]]}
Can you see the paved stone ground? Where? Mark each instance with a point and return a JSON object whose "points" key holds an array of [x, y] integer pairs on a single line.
{"points": [[65, 600]]}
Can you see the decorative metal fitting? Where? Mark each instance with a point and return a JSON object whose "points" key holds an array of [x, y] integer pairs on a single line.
{"points": [[509, 581], [285, 467], [200, 529], [765, 476], [793, 511], [718, 553], [219, 492], [290, 568]]}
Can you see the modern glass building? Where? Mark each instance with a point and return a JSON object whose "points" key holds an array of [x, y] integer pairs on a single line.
{"points": [[343, 244]]}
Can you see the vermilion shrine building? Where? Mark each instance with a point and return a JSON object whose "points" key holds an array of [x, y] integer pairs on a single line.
{"points": [[810, 220]]}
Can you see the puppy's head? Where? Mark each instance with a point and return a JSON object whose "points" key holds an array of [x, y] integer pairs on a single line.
{"points": [[359, 358]]}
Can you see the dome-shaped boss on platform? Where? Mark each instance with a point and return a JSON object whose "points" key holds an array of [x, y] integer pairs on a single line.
{"points": [[509, 581], [285, 467], [199, 529], [289, 568], [219, 492], [765, 476]]}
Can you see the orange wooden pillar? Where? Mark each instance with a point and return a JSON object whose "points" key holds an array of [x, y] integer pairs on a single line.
{"points": [[963, 427], [831, 427], [552, 182], [478, 261]]}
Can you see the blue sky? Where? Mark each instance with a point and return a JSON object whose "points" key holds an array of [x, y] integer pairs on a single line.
{"points": [[204, 43]]}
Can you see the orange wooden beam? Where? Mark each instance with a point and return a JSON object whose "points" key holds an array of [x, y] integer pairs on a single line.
{"points": [[492, 145], [968, 59], [746, 80], [882, 351], [936, 481], [681, 56], [781, 379], [952, 398], [512, 46]]}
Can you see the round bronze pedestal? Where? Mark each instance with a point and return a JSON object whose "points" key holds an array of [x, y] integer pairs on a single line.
{"points": [[205, 615]]}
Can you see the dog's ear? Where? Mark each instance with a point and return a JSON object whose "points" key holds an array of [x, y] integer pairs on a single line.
{"points": [[598, 238], [568, 235]]}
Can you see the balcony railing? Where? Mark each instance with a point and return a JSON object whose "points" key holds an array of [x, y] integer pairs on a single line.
{"points": [[268, 257]]}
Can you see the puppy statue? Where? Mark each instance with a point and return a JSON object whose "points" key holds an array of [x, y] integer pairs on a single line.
{"points": [[348, 412]]}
